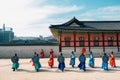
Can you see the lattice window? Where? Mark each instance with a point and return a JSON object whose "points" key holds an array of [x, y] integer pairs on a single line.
{"points": [[82, 43], [67, 41], [110, 41], [96, 41]]}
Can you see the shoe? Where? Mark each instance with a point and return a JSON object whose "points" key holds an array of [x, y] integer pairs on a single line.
{"points": [[73, 66], [14, 69], [84, 70], [37, 70]]}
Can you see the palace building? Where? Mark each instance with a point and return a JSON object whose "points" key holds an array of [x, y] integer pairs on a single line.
{"points": [[75, 33]]}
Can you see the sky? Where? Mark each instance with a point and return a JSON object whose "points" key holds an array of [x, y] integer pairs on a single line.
{"points": [[33, 17]]}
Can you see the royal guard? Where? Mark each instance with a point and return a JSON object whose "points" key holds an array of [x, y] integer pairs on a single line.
{"points": [[42, 54]]}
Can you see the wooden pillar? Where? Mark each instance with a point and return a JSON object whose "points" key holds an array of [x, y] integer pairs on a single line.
{"points": [[89, 41], [103, 41], [60, 47], [117, 41], [74, 41]]}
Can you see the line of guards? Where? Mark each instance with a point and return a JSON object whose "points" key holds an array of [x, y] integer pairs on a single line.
{"points": [[61, 60]]}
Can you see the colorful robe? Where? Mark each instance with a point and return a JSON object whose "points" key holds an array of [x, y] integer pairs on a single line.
{"points": [[51, 61], [61, 64], [36, 63], [42, 54], [84, 51], [105, 59], [15, 60], [91, 60], [112, 60], [82, 60], [72, 59]]}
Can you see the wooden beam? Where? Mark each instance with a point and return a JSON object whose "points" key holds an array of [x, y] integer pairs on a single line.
{"points": [[103, 42], [88, 40], [74, 41], [60, 47], [117, 41]]}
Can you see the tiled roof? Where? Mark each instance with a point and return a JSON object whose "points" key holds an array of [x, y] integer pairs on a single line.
{"points": [[88, 25]]}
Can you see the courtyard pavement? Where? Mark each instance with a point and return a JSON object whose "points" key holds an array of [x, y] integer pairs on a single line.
{"points": [[26, 71]]}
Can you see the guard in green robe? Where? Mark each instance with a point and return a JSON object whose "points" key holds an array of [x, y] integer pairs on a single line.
{"points": [[15, 60]]}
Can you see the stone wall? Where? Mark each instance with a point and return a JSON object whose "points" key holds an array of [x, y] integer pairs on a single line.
{"points": [[27, 51], [97, 51]]}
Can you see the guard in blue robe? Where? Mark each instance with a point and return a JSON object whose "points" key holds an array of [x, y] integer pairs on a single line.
{"points": [[91, 60], [35, 60], [72, 59], [82, 60], [15, 60], [61, 64], [105, 59]]}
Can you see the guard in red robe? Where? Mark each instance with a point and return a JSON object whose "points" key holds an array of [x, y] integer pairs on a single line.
{"points": [[42, 54], [84, 51], [112, 60], [51, 60]]}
